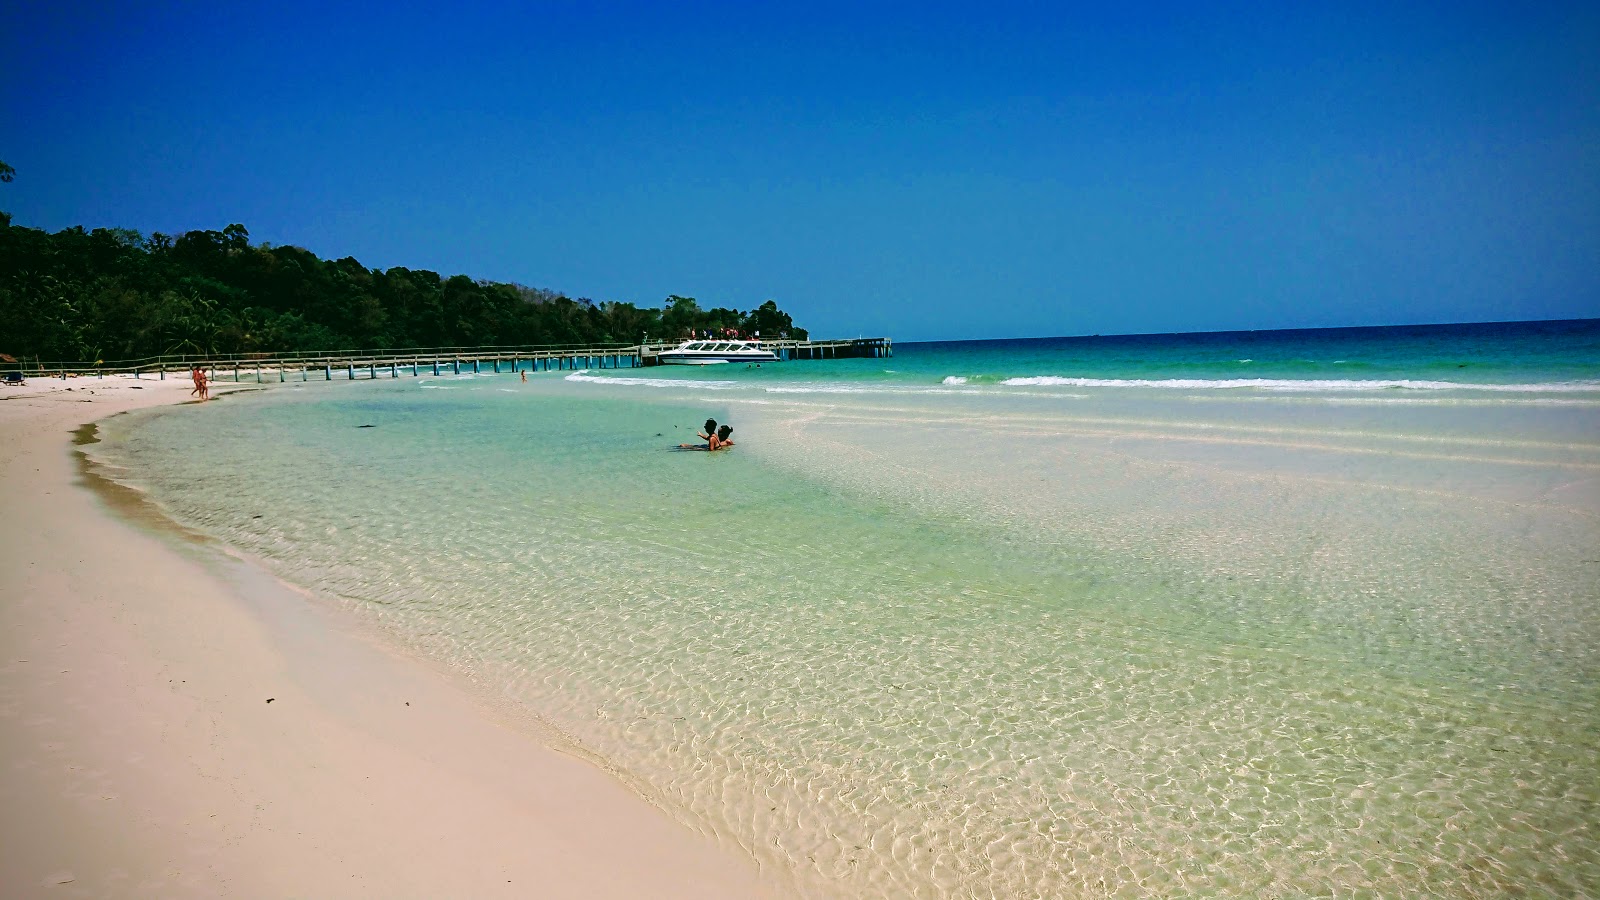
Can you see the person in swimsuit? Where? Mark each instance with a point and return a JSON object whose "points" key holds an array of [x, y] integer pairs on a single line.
{"points": [[716, 438]]}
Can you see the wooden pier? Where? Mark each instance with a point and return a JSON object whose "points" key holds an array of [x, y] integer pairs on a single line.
{"points": [[369, 364]]}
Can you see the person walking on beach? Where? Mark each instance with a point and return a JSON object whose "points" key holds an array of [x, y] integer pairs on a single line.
{"points": [[200, 387]]}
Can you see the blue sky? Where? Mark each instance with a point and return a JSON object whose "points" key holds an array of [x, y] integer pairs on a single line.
{"points": [[917, 171]]}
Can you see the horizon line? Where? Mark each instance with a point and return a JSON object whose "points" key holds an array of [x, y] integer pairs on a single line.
{"points": [[1050, 337]]}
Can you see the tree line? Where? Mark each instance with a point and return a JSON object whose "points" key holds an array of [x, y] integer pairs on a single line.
{"points": [[113, 293]]}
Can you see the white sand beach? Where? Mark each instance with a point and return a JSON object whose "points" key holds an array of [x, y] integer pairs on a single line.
{"points": [[174, 724]]}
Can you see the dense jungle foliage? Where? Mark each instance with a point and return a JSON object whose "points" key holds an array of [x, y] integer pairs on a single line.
{"points": [[113, 294]]}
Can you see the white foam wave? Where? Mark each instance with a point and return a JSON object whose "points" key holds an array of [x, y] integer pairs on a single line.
{"points": [[819, 389], [954, 379], [583, 375], [843, 389], [1281, 384]]}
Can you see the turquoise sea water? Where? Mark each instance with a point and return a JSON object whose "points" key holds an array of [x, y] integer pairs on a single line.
{"points": [[1267, 614]]}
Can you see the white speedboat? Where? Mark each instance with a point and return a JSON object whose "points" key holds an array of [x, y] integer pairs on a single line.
{"points": [[710, 353]]}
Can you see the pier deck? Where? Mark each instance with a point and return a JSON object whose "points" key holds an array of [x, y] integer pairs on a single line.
{"points": [[357, 364]]}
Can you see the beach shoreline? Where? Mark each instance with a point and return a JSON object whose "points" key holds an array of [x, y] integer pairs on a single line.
{"points": [[177, 723]]}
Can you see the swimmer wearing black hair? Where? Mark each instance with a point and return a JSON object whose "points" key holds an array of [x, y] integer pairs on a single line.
{"points": [[718, 439]]}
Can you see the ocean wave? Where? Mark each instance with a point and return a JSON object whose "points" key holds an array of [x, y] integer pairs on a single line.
{"points": [[856, 389], [583, 375], [1285, 384], [824, 389], [954, 379]]}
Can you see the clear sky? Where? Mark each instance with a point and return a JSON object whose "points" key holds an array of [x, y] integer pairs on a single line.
{"points": [[919, 171]]}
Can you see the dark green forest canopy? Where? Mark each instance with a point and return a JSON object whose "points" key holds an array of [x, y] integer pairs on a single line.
{"points": [[112, 294]]}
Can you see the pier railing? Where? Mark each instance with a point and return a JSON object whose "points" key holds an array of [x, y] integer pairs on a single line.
{"points": [[414, 360]]}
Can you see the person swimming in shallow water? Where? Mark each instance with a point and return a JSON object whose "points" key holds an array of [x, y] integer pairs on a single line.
{"points": [[708, 433], [716, 438]]}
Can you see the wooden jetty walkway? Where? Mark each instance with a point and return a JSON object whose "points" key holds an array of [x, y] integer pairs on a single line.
{"points": [[368, 364]]}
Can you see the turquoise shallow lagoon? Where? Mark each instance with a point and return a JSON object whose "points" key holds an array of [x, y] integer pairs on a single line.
{"points": [[982, 621]]}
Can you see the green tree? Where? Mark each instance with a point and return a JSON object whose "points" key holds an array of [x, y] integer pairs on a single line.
{"points": [[79, 295], [680, 315], [771, 322]]}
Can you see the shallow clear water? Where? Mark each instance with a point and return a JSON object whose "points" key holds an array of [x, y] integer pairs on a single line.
{"points": [[923, 638]]}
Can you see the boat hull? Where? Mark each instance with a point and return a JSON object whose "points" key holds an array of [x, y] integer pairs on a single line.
{"points": [[714, 351], [713, 357], [670, 361]]}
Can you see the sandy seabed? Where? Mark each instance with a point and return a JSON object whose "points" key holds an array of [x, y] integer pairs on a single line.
{"points": [[175, 723]]}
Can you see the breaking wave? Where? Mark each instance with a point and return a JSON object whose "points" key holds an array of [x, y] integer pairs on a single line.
{"points": [[584, 375]]}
